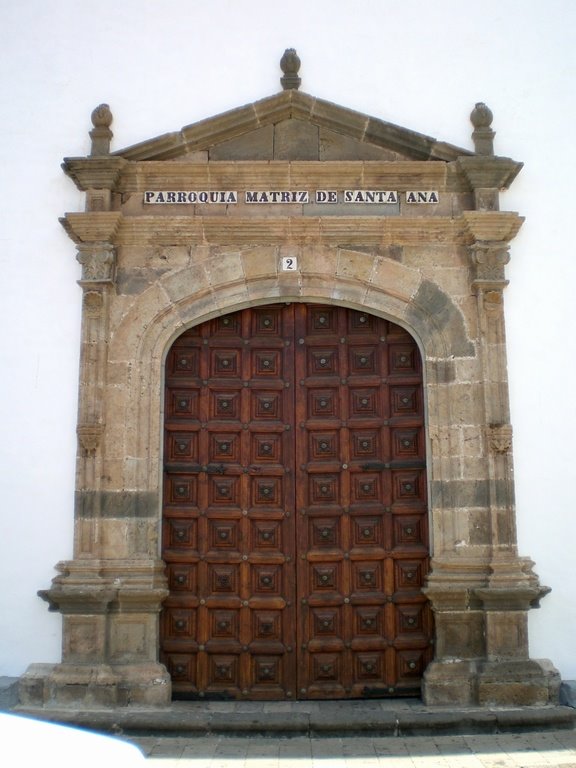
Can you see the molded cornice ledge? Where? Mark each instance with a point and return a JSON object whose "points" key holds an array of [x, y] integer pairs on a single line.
{"points": [[488, 172], [96, 585], [93, 226], [492, 226], [344, 230], [515, 598], [94, 172], [95, 599]]}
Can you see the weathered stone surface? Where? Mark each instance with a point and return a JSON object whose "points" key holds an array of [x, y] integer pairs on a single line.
{"points": [[224, 127], [258, 262], [94, 686], [445, 316], [479, 527], [135, 281], [116, 504], [354, 265], [296, 140], [395, 279], [258, 145], [568, 693], [518, 683], [449, 684], [461, 634], [463, 493], [337, 146]]}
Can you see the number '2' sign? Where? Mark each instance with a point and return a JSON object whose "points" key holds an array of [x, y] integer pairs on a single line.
{"points": [[289, 263]]}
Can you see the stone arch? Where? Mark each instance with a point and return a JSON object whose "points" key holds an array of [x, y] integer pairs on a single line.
{"points": [[156, 319], [363, 279]]}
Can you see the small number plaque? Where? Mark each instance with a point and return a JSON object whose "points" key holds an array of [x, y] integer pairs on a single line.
{"points": [[289, 264]]}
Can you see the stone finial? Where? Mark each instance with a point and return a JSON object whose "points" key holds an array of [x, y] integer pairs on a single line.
{"points": [[101, 134], [483, 135], [290, 64]]}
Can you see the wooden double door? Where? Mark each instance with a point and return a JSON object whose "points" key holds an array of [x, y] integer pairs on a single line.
{"points": [[295, 529]]}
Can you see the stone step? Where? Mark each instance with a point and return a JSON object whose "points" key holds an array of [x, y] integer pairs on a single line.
{"points": [[328, 718]]}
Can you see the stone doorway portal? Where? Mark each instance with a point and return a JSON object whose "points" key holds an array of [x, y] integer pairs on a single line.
{"points": [[294, 200]]}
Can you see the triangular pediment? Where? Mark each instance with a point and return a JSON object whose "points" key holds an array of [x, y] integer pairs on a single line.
{"points": [[293, 126]]}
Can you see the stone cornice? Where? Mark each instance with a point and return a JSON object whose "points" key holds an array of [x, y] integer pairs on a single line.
{"points": [[93, 226], [492, 226], [489, 172], [519, 598], [344, 230], [291, 104], [113, 227], [400, 176], [94, 172]]}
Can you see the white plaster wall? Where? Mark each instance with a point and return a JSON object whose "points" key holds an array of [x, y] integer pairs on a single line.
{"points": [[162, 65]]}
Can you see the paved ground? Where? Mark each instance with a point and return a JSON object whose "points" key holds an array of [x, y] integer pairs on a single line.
{"points": [[527, 750], [496, 742]]}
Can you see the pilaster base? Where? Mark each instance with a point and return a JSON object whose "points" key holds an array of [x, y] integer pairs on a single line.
{"points": [[524, 683], [514, 683], [449, 683], [93, 686]]}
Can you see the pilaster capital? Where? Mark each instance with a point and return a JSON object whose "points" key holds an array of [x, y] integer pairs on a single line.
{"points": [[98, 262], [489, 257]]}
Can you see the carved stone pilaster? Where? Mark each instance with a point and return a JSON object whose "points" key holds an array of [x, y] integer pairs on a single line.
{"points": [[93, 303], [90, 436], [98, 262], [499, 438]]}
